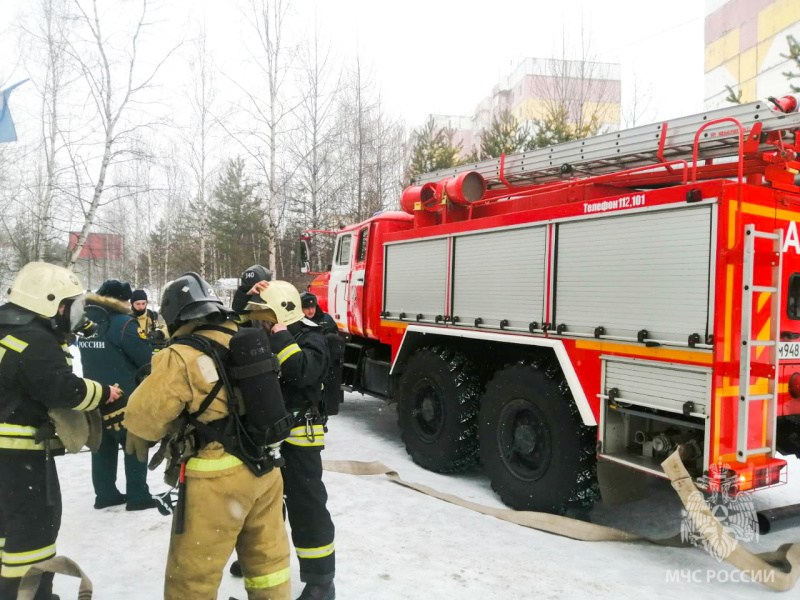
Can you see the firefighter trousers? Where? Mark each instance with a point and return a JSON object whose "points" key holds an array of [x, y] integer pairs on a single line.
{"points": [[223, 511], [306, 498], [28, 524]]}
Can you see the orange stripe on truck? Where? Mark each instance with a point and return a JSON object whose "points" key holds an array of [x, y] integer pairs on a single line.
{"points": [[695, 356]]}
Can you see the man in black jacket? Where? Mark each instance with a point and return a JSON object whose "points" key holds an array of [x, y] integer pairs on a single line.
{"points": [[312, 311], [303, 354], [332, 393], [116, 354], [36, 376]]}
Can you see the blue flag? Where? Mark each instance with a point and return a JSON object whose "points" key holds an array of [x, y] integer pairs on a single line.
{"points": [[7, 131]]}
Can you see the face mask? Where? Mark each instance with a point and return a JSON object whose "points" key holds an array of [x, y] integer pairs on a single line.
{"points": [[138, 313], [85, 327], [74, 320]]}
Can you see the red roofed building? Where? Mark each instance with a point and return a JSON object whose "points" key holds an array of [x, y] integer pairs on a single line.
{"points": [[100, 257]]}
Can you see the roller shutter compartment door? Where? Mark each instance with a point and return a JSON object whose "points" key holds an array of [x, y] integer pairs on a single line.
{"points": [[416, 279], [500, 275], [632, 272], [659, 385]]}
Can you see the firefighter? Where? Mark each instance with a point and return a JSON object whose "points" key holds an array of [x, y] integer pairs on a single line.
{"points": [[115, 354], [303, 354], [256, 274], [149, 321], [333, 394], [35, 376], [225, 505]]}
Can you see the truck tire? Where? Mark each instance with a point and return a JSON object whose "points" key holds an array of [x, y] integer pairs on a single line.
{"points": [[538, 454], [437, 407]]}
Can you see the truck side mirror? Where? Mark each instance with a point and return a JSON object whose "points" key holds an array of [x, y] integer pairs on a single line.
{"points": [[304, 254]]}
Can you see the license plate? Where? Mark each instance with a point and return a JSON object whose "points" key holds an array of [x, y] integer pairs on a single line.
{"points": [[789, 351]]}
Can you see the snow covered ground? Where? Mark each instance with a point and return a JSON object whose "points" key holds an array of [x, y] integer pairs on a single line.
{"points": [[394, 543]]}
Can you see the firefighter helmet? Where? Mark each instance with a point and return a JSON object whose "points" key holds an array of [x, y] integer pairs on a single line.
{"points": [[279, 303], [41, 287], [255, 274], [190, 297]]}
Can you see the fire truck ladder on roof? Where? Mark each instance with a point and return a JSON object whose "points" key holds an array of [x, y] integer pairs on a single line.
{"points": [[747, 368], [630, 148]]}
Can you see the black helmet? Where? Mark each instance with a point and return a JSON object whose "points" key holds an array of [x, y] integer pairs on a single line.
{"points": [[255, 274], [190, 297]]}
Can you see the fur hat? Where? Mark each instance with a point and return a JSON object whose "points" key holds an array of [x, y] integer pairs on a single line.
{"points": [[114, 288]]}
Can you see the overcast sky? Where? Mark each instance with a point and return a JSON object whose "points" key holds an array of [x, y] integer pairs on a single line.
{"points": [[437, 56]]}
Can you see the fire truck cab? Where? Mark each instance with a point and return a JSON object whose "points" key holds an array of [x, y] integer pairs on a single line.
{"points": [[611, 299]]}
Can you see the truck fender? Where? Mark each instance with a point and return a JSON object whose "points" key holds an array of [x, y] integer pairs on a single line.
{"points": [[587, 416]]}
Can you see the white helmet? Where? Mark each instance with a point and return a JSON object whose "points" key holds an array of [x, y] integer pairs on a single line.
{"points": [[40, 287], [279, 303]]}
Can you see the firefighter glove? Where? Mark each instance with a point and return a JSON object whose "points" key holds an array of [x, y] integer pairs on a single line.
{"points": [[136, 445]]}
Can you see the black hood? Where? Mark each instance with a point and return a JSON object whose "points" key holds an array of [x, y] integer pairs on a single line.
{"points": [[11, 314]]}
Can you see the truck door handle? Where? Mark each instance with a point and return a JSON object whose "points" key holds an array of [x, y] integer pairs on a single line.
{"points": [[360, 280], [343, 281]]}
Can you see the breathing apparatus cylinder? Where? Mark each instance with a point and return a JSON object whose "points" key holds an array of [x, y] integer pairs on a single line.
{"points": [[254, 369]]}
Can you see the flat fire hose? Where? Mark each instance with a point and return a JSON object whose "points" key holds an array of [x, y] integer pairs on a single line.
{"points": [[60, 565], [757, 566]]}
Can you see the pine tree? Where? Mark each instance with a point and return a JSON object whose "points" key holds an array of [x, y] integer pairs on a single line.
{"points": [[555, 128], [433, 149], [505, 135], [794, 54], [733, 97], [238, 222]]}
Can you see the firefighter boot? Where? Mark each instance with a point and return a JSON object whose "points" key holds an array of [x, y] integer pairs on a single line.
{"points": [[236, 569], [318, 591]]}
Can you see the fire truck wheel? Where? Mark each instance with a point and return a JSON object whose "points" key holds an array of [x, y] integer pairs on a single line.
{"points": [[538, 454], [437, 409]]}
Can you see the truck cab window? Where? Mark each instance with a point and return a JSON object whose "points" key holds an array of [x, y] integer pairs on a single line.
{"points": [[361, 255], [343, 251], [793, 297]]}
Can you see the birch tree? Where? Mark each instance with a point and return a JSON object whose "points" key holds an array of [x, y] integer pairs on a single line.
{"points": [[202, 99], [271, 59], [315, 137], [578, 95], [49, 36], [102, 71]]}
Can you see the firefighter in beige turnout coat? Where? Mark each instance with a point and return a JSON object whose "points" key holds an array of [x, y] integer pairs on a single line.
{"points": [[226, 505]]}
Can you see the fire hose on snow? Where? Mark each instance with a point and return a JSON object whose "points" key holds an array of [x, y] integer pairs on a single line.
{"points": [[59, 565], [778, 570]]}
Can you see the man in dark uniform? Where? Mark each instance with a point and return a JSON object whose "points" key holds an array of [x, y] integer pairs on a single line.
{"points": [[312, 311], [116, 354], [332, 393], [303, 354], [36, 376]]}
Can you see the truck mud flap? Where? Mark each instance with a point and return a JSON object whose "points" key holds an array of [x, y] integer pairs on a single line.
{"points": [[760, 566]]}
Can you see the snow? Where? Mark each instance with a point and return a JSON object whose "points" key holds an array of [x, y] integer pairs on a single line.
{"points": [[395, 543]]}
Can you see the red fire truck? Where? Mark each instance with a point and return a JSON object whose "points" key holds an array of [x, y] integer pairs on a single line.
{"points": [[612, 299]]}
